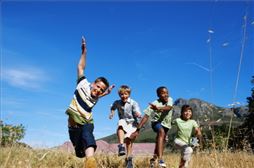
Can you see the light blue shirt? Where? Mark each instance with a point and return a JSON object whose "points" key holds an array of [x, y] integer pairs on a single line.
{"points": [[126, 110]]}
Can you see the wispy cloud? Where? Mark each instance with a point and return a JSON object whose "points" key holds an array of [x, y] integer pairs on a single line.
{"points": [[24, 77], [198, 65], [203, 67]]}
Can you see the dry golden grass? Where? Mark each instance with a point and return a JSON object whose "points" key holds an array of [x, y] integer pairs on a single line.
{"points": [[20, 157]]}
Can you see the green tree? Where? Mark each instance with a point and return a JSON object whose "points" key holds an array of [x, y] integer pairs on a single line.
{"points": [[249, 122], [10, 134], [243, 136]]}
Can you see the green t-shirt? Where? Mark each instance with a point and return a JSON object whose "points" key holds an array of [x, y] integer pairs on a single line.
{"points": [[184, 129], [163, 117]]}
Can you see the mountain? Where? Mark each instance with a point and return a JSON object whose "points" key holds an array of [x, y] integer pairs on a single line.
{"points": [[111, 148], [206, 114]]}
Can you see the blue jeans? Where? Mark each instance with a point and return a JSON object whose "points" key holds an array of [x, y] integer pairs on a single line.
{"points": [[82, 137]]}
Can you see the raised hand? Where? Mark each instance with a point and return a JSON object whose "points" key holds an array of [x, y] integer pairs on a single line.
{"points": [[111, 116], [110, 88], [83, 44]]}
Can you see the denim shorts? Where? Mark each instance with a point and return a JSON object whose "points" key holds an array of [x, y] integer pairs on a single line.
{"points": [[156, 126], [82, 137]]}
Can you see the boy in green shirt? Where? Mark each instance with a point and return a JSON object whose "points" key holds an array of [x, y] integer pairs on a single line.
{"points": [[160, 112]]}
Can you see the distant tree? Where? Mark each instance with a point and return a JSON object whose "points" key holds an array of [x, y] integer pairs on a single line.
{"points": [[249, 122], [243, 136], [10, 134]]}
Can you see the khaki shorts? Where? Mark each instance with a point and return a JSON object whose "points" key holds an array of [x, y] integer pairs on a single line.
{"points": [[128, 127]]}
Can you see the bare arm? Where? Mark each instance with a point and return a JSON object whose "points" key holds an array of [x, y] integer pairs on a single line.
{"points": [[160, 109], [108, 91], [199, 136], [82, 61], [143, 121], [141, 124], [111, 115]]}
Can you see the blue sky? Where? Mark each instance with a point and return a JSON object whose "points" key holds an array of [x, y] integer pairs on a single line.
{"points": [[143, 44]]}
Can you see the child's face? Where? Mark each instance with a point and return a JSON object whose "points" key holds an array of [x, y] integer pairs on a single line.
{"points": [[187, 114], [124, 95], [98, 89], [163, 95]]}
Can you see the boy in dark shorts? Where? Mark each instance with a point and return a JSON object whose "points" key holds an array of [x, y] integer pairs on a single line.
{"points": [[80, 120], [160, 112]]}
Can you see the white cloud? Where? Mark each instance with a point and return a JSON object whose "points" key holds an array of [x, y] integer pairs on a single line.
{"points": [[24, 77]]}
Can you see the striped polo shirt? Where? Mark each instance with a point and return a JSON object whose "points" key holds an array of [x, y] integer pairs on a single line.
{"points": [[80, 108]]}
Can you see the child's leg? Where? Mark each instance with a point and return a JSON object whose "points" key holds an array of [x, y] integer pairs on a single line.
{"points": [[75, 133], [182, 162], [155, 152], [90, 145], [160, 140], [187, 156], [153, 161], [120, 135], [186, 152], [160, 143], [89, 151], [129, 144]]}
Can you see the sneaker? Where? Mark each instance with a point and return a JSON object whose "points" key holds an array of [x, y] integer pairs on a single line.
{"points": [[152, 163], [129, 163], [162, 164], [90, 162], [121, 150]]}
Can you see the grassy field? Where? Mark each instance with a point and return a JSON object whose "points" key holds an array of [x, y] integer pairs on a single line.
{"points": [[20, 157]]}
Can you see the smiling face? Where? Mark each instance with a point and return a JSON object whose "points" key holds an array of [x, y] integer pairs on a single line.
{"points": [[98, 88], [163, 95], [124, 95], [187, 114]]}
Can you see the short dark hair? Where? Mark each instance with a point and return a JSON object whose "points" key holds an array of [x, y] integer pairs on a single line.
{"points": [[159, 89], [102, 79], [185, 108]]}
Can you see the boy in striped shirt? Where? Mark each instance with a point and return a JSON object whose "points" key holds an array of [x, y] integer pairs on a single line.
{"points": [[80, 120]]}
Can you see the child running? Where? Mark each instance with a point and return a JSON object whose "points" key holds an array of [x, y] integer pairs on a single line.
{"points": [[80, 121], [185, 126], [128, 113], [160, 112]]}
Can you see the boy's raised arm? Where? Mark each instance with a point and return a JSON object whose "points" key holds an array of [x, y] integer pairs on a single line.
{"points": [[82, 61], [108, 91], [160, 109], [111, 115]]}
